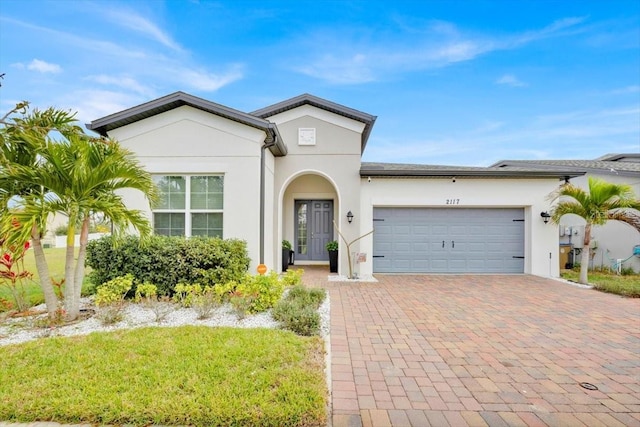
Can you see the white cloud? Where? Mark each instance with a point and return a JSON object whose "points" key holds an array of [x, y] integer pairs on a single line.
{"points": [[124, 82], [348, 57], [43, 67], [206, 81], [510, 80], [131, 20], [352, 70], [94, 104], [561, 135], [625, 90]]}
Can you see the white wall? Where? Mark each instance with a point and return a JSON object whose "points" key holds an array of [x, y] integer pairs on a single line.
{"points": [[189, 141], [335, 157], [541, 240]]}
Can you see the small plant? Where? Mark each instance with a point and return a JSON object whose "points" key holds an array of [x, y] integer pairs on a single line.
{"points": [[184, 294], [110, 299], [241, 303], [332, 246], [286, 244], [147, 294], [57, 288], [13, 274], [202, 299], [205, 302], [298, 311], [293, 277]]}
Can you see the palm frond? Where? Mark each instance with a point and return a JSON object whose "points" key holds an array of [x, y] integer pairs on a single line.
{"points": [[626, 216]]}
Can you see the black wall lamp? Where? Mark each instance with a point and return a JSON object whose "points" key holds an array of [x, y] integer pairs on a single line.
{"points": [[545, 217], [349, 217]]}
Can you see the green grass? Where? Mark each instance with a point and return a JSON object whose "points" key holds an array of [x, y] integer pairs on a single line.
{"points": [[173, 376], [55, 261], [627, 285]]}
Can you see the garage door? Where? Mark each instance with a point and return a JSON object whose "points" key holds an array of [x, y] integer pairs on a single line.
{"points": [[448, 240]]}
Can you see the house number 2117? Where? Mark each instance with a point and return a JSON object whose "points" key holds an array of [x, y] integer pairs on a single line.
{"points": [[453, 201]]}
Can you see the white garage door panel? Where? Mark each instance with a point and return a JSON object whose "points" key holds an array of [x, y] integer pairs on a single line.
{"points": [[448, 240]]}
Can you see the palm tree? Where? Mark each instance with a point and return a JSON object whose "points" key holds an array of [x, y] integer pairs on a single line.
{"points": [[604, 202], [80, 176], [20, 141]]}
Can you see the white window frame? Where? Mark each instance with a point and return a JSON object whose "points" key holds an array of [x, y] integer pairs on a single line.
{"points": [[187, 211]]}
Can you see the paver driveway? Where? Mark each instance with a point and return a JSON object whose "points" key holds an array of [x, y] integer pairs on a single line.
{"points": [[482, 350]]}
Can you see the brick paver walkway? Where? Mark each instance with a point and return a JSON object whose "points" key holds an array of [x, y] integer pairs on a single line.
{"points": [[481, 350]]}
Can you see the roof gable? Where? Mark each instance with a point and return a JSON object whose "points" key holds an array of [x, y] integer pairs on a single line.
{"points": [[307, 99], [179, 99]]}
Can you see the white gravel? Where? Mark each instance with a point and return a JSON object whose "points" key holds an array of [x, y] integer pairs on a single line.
{"points": [[18, 330]]}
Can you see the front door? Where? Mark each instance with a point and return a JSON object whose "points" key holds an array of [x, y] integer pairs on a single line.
{"points": [[314, 228]]}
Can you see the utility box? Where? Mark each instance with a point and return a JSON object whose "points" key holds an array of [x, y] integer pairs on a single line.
{"points": [[564, 256]]}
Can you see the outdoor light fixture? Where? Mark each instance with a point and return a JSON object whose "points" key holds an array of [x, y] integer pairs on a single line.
{"points": [[545, 216], [349, 217]]}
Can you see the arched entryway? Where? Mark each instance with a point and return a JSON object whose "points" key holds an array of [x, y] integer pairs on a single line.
{"points": [[309, 205]]}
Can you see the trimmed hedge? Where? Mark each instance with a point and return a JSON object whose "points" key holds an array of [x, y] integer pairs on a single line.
{"points": [[167, 261]]}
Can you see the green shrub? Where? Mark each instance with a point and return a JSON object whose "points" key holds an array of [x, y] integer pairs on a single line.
{"points": [[266, 289], [202, 299], [146, 291], [312, 297], [110, 298], [293, 277], [298, 318], [253, 294], [167, 261], [298, 311], [114, 290]]}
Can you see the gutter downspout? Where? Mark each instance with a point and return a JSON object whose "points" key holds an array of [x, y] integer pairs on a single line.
{"points": [[262, 191]]}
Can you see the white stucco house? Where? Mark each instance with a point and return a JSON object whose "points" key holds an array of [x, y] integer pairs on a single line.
{"points": [[287, 171], [614, 243]]}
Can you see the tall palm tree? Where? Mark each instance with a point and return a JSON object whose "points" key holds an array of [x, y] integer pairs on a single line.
{"points": [[604, 202], [80, 177]]}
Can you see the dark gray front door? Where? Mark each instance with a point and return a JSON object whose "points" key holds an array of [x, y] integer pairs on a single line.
{"points": [[314, 228]]}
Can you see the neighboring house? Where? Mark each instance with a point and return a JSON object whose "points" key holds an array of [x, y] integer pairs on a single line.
{"points": [[289, 170], [614, 241]]}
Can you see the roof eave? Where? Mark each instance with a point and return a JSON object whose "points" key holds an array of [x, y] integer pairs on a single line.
{"points": [[179, 99], [561, 175]]}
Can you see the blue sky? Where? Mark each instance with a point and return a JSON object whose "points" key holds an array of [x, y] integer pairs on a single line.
{"points": [[452, 82]]}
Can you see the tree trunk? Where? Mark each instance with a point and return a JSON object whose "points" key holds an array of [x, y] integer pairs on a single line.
{"points": [[69, 287], [79, 273], [50, 298], [584, 258]]}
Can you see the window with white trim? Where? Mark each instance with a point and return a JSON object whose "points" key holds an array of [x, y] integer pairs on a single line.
{"points": [[190, 205]]}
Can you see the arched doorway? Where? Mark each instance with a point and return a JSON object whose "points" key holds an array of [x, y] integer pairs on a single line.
{"points": [[310, 203]]}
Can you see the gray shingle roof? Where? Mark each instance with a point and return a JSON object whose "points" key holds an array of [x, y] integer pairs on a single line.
{"points": [[307, 99], [178, 99], [617, 167], [416, 170]]}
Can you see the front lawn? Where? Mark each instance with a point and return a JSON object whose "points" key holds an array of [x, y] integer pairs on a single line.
{"points": [[189, 375], [627, 285], [55, 261]]}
